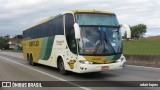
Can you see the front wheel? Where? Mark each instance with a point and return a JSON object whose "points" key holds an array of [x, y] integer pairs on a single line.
{"points": [[61, 67]]}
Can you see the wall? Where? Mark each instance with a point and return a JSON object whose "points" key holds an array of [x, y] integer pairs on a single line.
{"points": [[144, 60]]}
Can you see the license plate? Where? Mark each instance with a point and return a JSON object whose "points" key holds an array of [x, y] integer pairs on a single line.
{"points": [[104, 68]]}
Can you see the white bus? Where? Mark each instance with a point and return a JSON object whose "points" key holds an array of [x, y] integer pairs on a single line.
{"points": [[80, 41]]}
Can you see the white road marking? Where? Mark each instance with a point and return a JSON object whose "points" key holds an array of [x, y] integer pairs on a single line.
{"points": [[144, 67], [85, 88]]}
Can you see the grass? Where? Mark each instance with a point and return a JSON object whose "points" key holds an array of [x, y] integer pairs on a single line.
{"points": [[142, 46]]}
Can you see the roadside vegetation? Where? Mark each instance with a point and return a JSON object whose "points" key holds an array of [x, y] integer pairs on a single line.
{"points": [[11, 43], [4, 43], [138, 45], [143, 46]]}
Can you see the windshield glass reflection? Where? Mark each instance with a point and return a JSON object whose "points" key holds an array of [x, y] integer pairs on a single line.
{"points": [[100, 40]]}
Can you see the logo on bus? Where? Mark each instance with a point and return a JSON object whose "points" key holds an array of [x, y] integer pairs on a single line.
{"points": [[71, 63], [96, 58], [33, 43]]}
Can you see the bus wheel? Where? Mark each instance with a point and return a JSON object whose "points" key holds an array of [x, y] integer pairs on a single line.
{"points": [[28, 59], [31, 61], [61, 67]]}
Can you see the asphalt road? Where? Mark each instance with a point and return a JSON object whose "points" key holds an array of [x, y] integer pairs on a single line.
{"points": [[14, 68]]}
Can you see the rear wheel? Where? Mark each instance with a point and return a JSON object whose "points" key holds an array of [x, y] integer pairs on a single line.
{"points": [[31, 61], [61, 67]]}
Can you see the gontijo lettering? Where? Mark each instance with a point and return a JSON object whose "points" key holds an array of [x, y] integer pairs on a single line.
{"points": [[34, 43]]}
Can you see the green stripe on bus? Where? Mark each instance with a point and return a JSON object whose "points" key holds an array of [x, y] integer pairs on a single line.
{"points": [[46, 48], [113, 57]]}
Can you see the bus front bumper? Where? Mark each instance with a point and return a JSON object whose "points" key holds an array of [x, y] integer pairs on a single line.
{"points": [[86, 68]]}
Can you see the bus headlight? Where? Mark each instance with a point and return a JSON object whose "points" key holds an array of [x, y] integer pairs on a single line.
{"points": [[121, 59], [85, 62]]}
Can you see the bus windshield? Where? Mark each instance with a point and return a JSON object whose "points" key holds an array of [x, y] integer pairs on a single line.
{"points": [[100, 34], [100, 40], [96, 19]]}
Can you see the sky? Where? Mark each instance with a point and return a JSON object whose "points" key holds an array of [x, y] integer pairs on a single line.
{"points": [[17, 15]]}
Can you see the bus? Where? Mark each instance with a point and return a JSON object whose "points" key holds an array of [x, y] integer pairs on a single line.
{"points": [[79, 41]]}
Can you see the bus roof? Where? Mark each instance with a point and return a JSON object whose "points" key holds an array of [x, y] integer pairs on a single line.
{"points": [[40, 22], [74, 11], [45, 20], [91, 11]]}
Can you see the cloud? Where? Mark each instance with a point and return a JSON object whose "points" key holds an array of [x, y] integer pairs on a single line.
{"points": [[15, 15], [153, 32]]}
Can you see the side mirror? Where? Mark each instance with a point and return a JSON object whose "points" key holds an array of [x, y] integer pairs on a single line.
{"points": [[127, 30], [77, 31]]}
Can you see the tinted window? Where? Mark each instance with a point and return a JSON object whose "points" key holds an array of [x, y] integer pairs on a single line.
{"points": [[70, 34], [49, 28], [96, 19], [58, 25]]}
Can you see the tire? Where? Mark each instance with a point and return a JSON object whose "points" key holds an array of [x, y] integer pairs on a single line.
{"points": [[31, 61], [61, 67]]}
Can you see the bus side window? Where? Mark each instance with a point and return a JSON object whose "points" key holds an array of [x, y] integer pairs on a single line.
{"points": [[58, 25], [69, 31], [50, 28]]}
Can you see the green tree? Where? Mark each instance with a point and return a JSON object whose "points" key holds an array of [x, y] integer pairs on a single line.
{"points": [[18, 36], [4, 43], [138, 31]]}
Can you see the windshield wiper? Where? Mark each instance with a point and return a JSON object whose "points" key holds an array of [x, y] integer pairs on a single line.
{"points": [[107, 42]]}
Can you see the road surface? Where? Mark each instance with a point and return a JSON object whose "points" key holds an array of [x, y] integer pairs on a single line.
{"points": [[14, 68]]}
